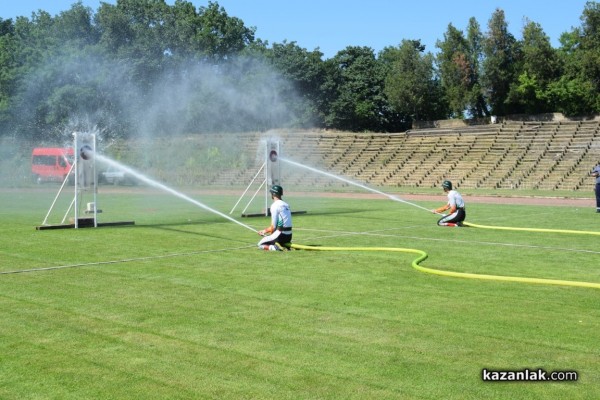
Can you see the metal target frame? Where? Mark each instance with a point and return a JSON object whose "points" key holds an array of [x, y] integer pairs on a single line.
{"points": [[85, 179], [271, 175]]}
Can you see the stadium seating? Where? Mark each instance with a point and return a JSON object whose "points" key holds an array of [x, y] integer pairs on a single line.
{"points": [[511, 155], [555, 155]]}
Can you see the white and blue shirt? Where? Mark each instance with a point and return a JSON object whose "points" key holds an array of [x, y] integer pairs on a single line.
{"points": [[281, 215]]}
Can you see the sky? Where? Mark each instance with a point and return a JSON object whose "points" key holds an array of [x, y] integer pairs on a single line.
{"points": [[333, 25]]}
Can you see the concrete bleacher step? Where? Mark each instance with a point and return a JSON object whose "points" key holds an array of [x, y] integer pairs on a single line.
{"points": [[514, 155]]}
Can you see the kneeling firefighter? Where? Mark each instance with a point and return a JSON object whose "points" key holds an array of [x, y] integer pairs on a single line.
{"points": [[278, 235], [455, 204]]}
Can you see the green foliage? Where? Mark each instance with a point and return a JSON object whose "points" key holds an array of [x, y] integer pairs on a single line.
{"points": [[76, 25], [539, 58], [501, 62], [8, 65], [410, 82], [539, 69], [590, 42], [358, 83], [455, 70], [306, 73], [528, 94], [477, 106], [133, 52], [220, 35], [572, 96]]}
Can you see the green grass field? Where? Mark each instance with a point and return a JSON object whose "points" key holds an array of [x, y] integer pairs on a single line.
{"points": [[183, 306]]}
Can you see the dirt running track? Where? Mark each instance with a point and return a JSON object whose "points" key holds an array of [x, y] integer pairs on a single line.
{"points": [[540, 201]]}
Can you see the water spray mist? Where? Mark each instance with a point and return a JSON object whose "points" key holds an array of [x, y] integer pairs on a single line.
{"points": [[165, 188], [350, 182]]}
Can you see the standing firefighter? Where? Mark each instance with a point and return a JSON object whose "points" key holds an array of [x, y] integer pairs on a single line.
{"points": [[596, 174], [279, 234], [455, 204]]}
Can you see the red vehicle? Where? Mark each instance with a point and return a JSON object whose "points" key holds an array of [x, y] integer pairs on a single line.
{"points": [[51, 164]]}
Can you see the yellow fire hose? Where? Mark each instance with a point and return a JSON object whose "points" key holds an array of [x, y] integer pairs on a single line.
{"points": [[508, 228], [423, 255]]}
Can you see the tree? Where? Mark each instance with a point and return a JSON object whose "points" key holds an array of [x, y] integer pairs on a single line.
{"points": [[8, 65], [410, 83], [35, 40], [477, 105], [501, 61], [357, 81], [59, 77], [135, 30], [76, 25], [220, 35], [455, 70], [573, 93], [572, 96], [35, 44], [306, 73], [590, 48], [540, 66], [182, 24], [145, 64]]}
